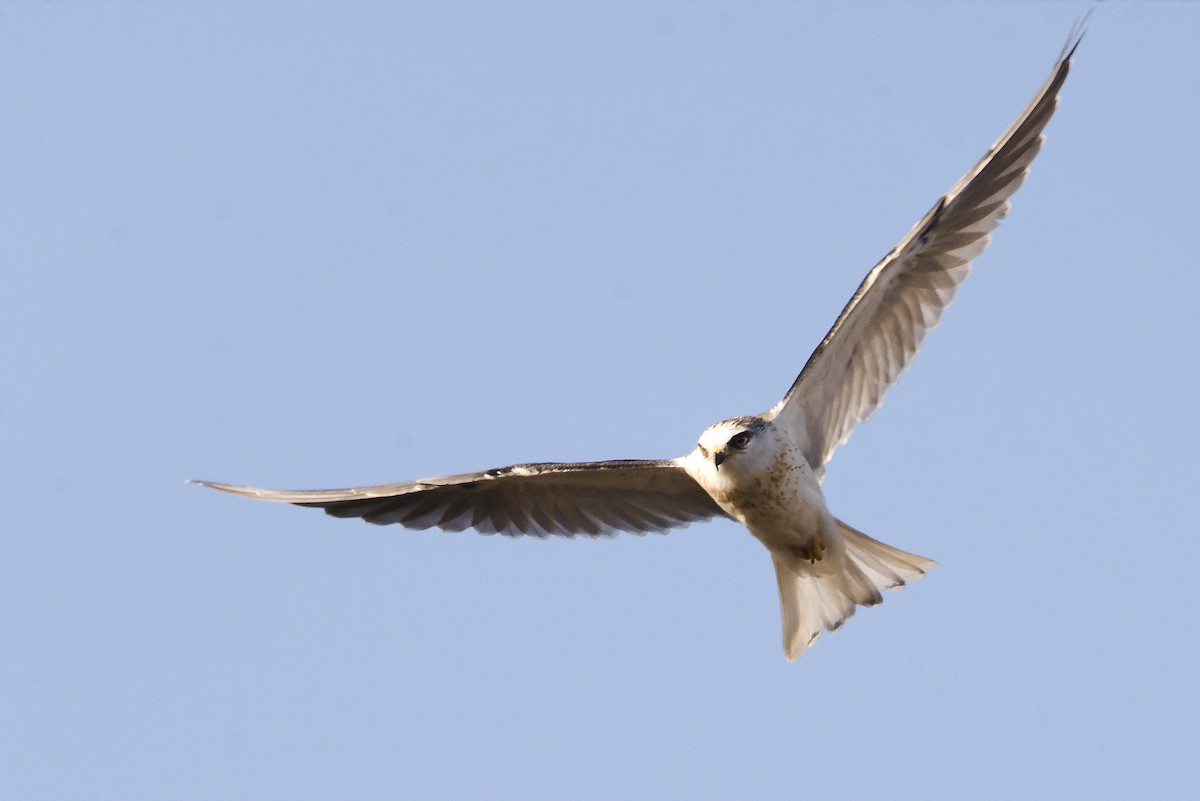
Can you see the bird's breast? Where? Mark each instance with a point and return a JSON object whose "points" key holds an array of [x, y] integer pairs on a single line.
{"points": [[775, 495], [783, 507]]}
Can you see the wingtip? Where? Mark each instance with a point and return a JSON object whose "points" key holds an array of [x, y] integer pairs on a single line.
{"points": [[1078, 30], [232, 489]]}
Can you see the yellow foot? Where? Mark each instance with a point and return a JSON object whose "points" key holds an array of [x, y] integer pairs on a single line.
{"points": [[811, 552]]}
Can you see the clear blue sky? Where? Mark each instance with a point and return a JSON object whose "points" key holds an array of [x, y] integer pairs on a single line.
{"points": [[311, 246]]}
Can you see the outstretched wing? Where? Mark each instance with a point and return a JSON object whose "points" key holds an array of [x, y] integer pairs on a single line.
{"points": [[592, 498], [878, 333]]}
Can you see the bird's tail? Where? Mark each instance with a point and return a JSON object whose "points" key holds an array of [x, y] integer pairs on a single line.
{"points": [[812, 603]]}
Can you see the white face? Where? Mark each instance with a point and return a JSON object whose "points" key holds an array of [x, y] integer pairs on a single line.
{"points": [[735, 448]]}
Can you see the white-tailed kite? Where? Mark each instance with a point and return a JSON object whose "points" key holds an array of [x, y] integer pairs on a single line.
{"points": [[764, 470]]}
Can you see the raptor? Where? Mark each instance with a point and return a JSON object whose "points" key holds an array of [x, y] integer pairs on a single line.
{"points": [[763, 470]]}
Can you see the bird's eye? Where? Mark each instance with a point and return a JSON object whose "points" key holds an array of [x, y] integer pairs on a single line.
{"points": [[740, 441], [703, 450]]}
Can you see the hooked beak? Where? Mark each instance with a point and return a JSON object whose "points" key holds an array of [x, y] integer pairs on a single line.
{"points": [[719, 456]]}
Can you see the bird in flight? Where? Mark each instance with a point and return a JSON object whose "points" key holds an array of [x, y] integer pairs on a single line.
{"points": [[763, 470]]}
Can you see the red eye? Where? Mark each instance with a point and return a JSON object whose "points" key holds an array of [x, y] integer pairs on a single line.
{"points": [[740, 441], [703, 451]]}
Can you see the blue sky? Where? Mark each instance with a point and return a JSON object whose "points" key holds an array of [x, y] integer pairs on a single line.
{"points": [[311, 245]]}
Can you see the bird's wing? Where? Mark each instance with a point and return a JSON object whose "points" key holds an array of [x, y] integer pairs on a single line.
{"points": [[881, 328], [592, 498]]}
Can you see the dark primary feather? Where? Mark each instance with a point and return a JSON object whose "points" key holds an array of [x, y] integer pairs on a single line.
{"points": [[879, 331], [591, 498]]}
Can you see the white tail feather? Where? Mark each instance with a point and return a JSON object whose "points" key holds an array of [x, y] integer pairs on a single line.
{"points": [[812, 603]]}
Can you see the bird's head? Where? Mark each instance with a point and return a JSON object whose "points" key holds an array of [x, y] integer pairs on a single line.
{"points": [[743, 445]]}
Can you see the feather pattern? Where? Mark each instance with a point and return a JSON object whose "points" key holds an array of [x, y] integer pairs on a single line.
{"points": [[595, 499], [880, 330]]}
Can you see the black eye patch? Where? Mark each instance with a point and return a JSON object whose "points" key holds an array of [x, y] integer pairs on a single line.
{"points": [[740, 441]]}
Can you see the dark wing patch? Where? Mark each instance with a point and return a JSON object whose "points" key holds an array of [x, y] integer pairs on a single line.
{"points": [[591, 498]]}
